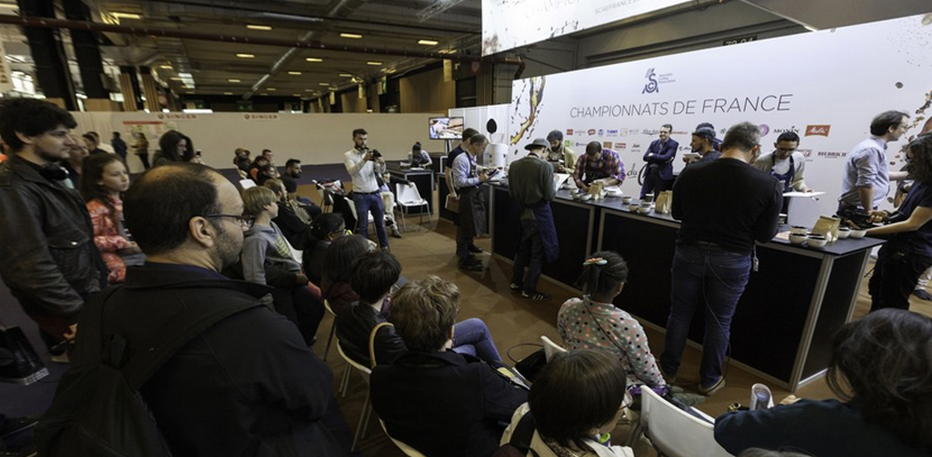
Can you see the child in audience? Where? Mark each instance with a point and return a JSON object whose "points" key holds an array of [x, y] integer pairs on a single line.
{"points": [[440, 402], [267, 259], [593, 321], [576, 401], [104, 179], [338, 265], [325, 228], [881, 368]]}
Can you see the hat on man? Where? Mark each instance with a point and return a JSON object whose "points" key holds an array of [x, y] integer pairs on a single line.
{"points": [[705, 132], [537, 143], [555, 135]]}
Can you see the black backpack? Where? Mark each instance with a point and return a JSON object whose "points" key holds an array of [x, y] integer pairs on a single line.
{"points": [[98, 410], [520, 443]]}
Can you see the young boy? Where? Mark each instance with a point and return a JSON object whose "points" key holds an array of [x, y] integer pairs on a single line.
{"points": [[267, 259]]}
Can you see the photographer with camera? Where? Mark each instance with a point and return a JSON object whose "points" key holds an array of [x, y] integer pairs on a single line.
{"points": [[362, 164]]}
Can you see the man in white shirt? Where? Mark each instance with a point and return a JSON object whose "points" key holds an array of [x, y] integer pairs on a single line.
{"points": [[361, 163]]}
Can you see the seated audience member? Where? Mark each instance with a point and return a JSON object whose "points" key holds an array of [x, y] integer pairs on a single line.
{"points": [[593, 322], [268, 260], [576, 401], [256, 165], [386, 183], [325, 228], [373, 278], [418, 157], [441, 403], [881, 367], [102, 185], [77, 151], [338, 265], [266, 172], [172, 148], [219, 394], [293, 221]]}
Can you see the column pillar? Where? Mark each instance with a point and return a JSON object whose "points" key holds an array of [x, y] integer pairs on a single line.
{"points": [[129, 87], [150, 90], [87, 52], [45, 45]]}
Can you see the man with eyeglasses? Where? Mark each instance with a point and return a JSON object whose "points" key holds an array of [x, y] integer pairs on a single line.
{"points": [[725, 206], [188, 219], [866, 179]]}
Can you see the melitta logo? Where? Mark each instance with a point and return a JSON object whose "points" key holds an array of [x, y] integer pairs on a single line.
{"points": [[591, 132], [652, 84], [818, 130]]}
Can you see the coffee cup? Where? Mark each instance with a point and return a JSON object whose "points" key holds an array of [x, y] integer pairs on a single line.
{"points": [[798, 238], [857, 233], [799, 230], [626, 199], [644, 209], [817, 241], [781, 219], [843, 232], [633, 207]]}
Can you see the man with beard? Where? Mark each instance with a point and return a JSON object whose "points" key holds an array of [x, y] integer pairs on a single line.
{"points": [[725, 205], [246, 385], [659, 158], [49, 260], [561, 157]]}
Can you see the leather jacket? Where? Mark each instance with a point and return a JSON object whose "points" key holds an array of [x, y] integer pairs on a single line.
{"points": [[353, 329], [47, 254]]}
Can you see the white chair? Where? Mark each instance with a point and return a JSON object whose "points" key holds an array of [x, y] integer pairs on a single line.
{"points": [[367, 405], [333, 328], [408, 450], [409, 197], [550, 348], [674, 432]]}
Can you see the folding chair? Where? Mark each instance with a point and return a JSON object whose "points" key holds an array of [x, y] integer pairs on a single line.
{"points": [[409, 197]]}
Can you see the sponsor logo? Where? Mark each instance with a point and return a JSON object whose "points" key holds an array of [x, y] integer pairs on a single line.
{"points": [[607, 145], [591, 132], [650, 132], [569, 132], [831, 154], [805, 152], [764, 129], [620, 146], [177, 116], [601, 132], [635, 146], [261, 117], [652, 85], [611, 132], [633, 171], [567, 143], [580, 144], [623, 132], [790, 129], [818, 130]]}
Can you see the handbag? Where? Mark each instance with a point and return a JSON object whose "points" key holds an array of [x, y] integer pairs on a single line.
{"points": [[22, 365], [453, 203], [529, 367]]}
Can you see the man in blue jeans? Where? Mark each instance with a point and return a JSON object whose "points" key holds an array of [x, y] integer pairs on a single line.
{"points": [[725, 206], [361, 164]]}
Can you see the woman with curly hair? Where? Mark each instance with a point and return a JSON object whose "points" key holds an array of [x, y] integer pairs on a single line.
{"points": [[881, 368]]}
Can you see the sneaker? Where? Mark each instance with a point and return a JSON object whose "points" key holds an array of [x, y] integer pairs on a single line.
{"points": [[536, 296], [922, 294], [395, 232], [514, 288], [474, 249], [13, 425], [710, 391], [670, 380]]}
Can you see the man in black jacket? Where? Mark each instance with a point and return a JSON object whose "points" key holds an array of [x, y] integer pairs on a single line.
{"points": [[248, 385], [49, 260]]}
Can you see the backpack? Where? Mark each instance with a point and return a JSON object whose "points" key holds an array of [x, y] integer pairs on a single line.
{"points": [[98, 410], [520, 443]]}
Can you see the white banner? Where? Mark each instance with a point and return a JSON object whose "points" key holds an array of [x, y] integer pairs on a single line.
{"points": [[826, 86], [6, 81], [508, 24]]}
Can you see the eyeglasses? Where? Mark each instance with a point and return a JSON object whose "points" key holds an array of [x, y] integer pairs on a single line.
{"points": [[786, 149], [245, 221]]}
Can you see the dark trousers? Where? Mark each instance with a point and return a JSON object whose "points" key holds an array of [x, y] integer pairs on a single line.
{"points": [[653, 183], [144, 157], [370, 202], [896, 274], [301, 307], [530, 255], [471, 208]]}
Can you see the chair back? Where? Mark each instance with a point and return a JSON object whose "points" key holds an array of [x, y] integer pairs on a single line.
{"points": [[550, 348], [408, 195], [408, 450], [363, 370], [675, 432]]}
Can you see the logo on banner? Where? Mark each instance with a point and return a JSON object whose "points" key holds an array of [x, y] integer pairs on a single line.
{"points": [[591, 132], [607, 145], [792, 129], [620, 146], [764, 129], [581, 144], [818, 130], [623, 132], [261, 117], [569, 132], [601, 132], [178, 116], [611, 132], [652, 84], [805, 152], [832, 154]]}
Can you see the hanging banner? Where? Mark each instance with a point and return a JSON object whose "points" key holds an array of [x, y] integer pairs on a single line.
{"points": [[6, 76], [822, 86]]}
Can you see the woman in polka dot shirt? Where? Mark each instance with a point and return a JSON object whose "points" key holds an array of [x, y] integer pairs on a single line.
{"points": [[593, 322]]}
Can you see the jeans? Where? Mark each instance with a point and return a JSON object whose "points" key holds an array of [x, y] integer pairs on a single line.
{"points": [[531, 255], [704, 273], [896, 274], [473, 337], [370, 202]]}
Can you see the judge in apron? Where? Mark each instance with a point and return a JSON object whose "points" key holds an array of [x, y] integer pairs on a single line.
{"points": [[598, 164], [786, 165]]}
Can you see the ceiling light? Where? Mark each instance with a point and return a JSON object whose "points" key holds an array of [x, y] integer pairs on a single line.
{"points": [[246, 56], [324, 84], [295, 95], [165, 67], [175, 78], [309, 90], [233, 80], [345, 75], [447, 51], [120, 15], [228, 93], [428, 42], [314, 59], [354, 36], [184, 75], [295, 73], [374, 63], [271, 89], [258, 27]]}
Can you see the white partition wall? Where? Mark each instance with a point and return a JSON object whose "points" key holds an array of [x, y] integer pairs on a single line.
{"points": [[826, 86], [312, 138]]}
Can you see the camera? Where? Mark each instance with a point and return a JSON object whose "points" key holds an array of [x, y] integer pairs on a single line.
{"points": [[376, 154]]}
